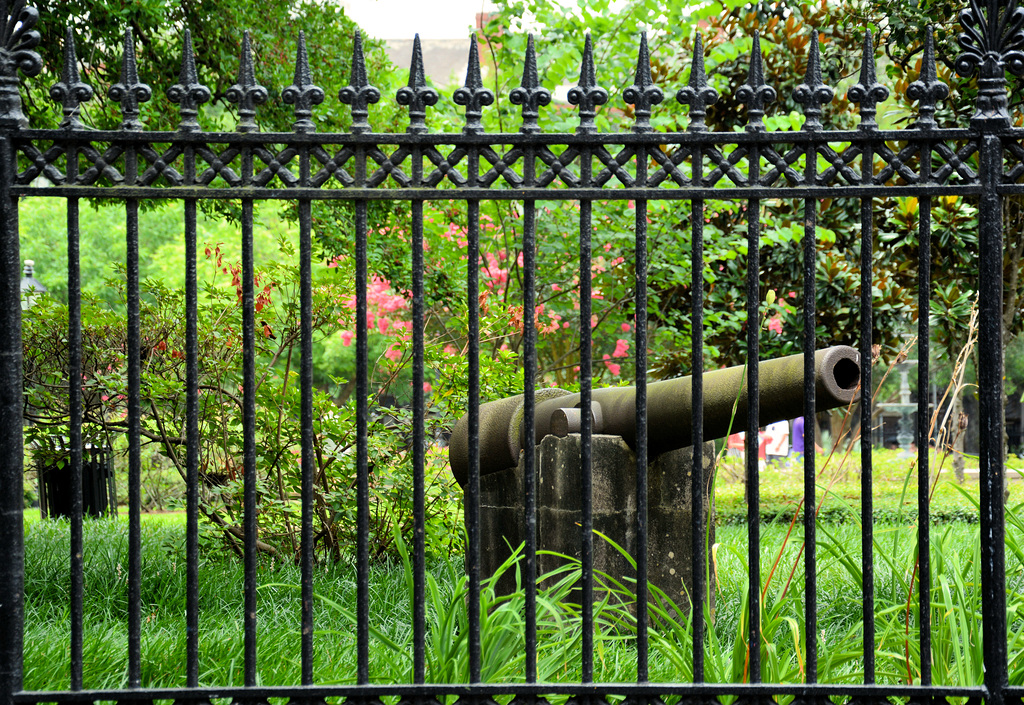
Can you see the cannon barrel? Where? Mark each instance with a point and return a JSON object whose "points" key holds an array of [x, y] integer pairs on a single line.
{"points": [[669, 408]]}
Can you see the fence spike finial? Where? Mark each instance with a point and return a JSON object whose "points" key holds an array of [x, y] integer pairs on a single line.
{"points": [[643, 94], [359, 93], [755, 93], [188, 92], [129, 92], [927, 90], [18, 38], [246, 92], [303, 93], [868, 93], [473, 95], [993, 43], [70, 92], [417, 95], [697, 94], [813, 94], [587, 94], [530, 94]]}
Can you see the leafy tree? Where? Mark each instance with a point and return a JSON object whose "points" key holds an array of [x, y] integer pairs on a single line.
{"points": [[786, 31]]}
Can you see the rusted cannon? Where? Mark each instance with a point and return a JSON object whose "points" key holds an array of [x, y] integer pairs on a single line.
{"points": [[669, 409]]}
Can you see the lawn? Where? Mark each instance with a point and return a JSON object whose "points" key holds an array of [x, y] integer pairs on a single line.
{"points": [[955, 613]]}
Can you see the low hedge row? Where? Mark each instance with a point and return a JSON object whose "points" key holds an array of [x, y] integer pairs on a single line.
{"points": [[780, 499]]}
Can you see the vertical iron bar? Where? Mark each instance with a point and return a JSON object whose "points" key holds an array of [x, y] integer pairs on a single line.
{"points": [[251, 528], [697, 479], [134, 429], [586, 423], [12, 531], [753, 412], [308, 454], [641, 421], [586, 432], [923, 474], [75, 419], [866, 357], [810, 539], [529, 460], [529, 445], [191, 431], [472, 498], [362, 445], [418, 432], [990, 403]]}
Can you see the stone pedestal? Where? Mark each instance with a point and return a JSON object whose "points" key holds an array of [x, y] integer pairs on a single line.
{"points": [[559, 512]]}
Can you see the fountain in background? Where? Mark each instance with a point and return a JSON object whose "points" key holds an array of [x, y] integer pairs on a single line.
{"points": [[904, 407]]}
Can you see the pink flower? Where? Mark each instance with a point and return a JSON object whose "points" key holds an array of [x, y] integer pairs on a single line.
{"points": [[775, 325], [346, 337], [427, 387], [625, 327], [393, 353], [621, 348], [450, 349], [612, 367]]}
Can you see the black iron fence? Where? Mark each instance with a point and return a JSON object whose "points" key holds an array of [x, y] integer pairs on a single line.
{"points": [[983, 161]]}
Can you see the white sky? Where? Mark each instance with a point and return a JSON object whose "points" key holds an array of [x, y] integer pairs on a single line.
{"points": [[401, 19]]}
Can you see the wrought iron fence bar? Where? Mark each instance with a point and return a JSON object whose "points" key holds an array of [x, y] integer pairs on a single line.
{"points": [[990, 405], [134, 352], [640, 321], [419, 622], [586, 441], [75, 428], [472, 496], [12, 530], [817, 690], [250, 479], [698, 491], [192, 434], [308, 452], [418, 96], [866, 485], [810, 266], [924, 258], [587, 95], [503, 194], [529, 445], [362, 456], [753, 616]]}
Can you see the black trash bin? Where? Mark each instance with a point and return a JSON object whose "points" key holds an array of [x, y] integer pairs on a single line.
{"points": [[99, 493]]}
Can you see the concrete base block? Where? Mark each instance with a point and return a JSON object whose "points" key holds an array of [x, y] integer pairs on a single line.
{"points": [[559, 512]]}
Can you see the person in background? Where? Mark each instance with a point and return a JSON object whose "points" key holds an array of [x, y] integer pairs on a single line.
{"points": [[798, 437], [777, 447]]}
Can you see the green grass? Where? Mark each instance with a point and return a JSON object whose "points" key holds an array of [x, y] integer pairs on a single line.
{"points": [[894, 483], [956, 613]]}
